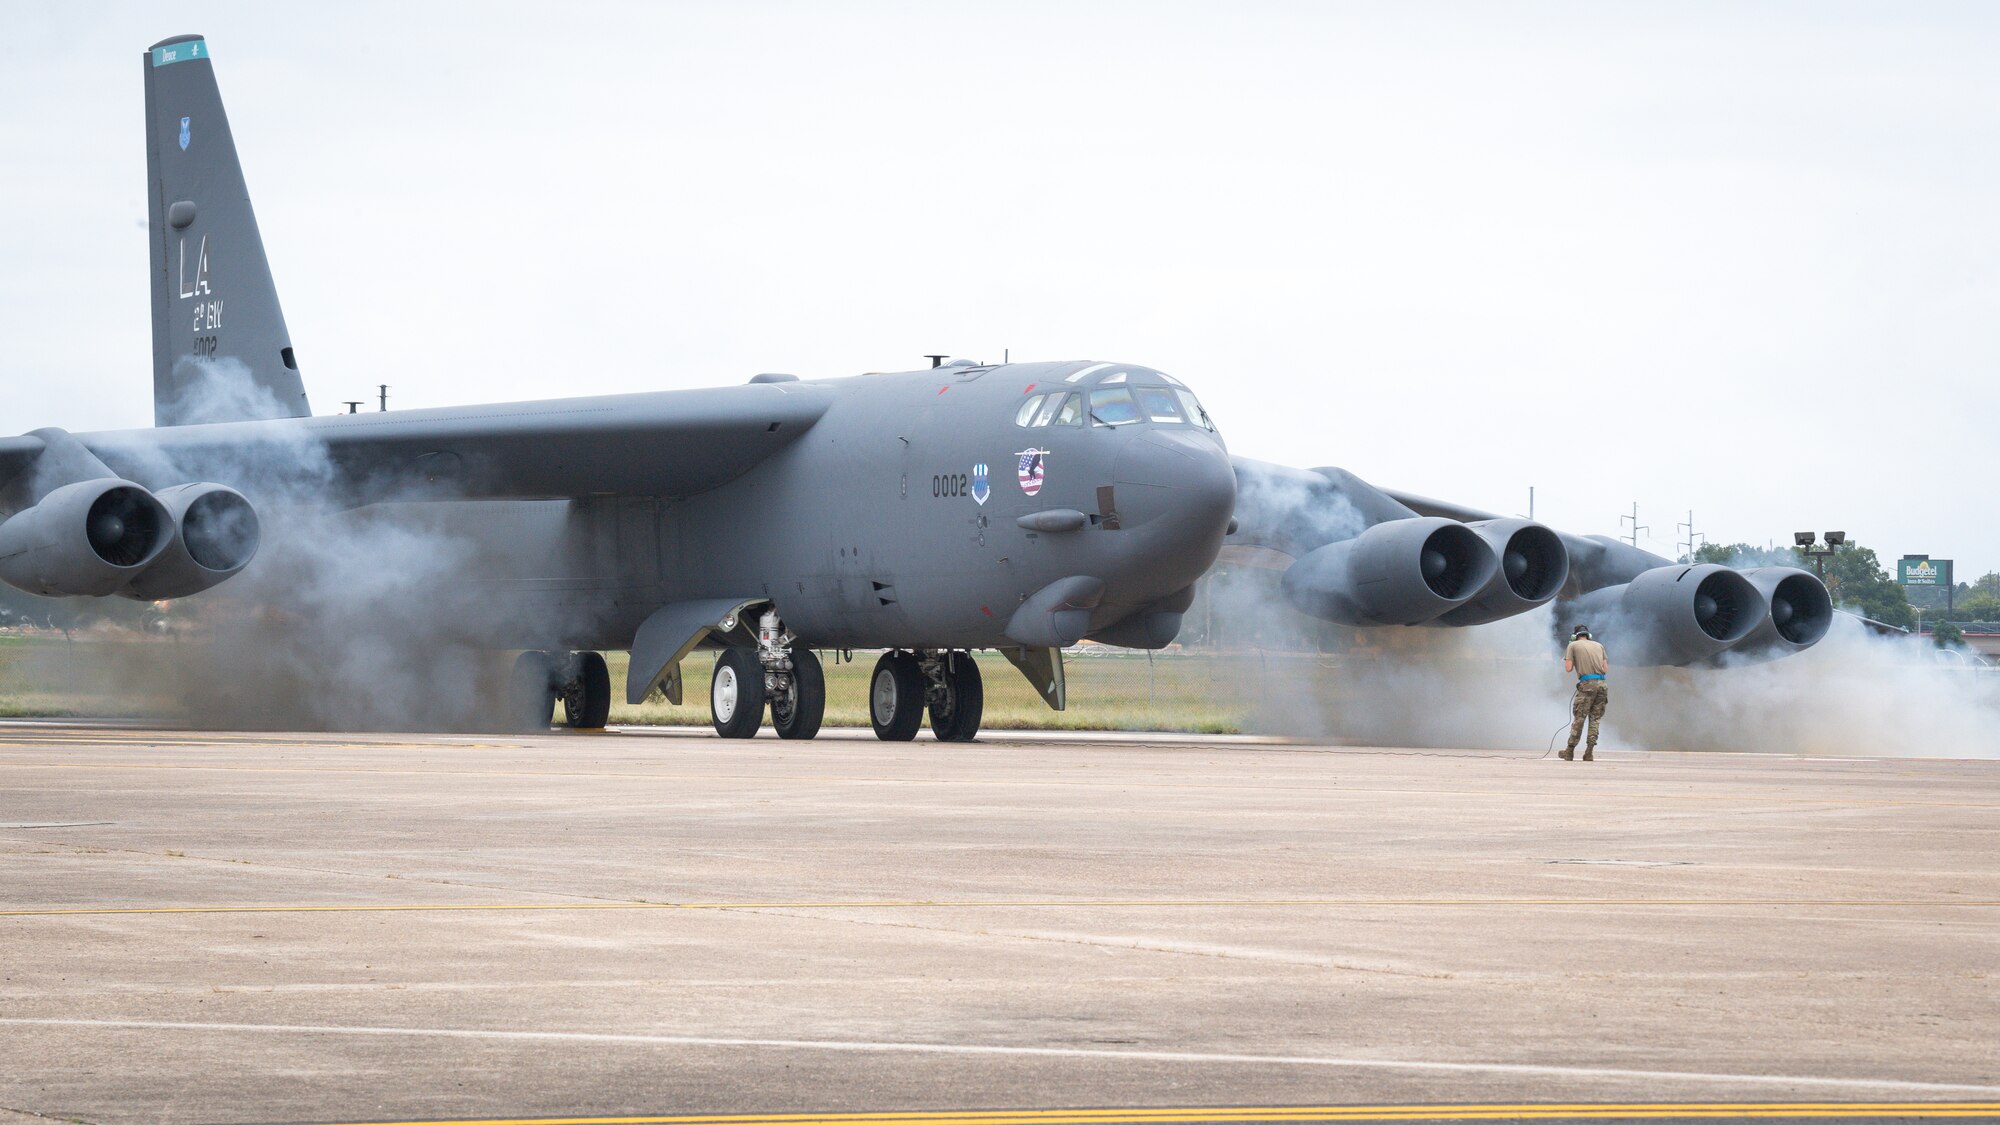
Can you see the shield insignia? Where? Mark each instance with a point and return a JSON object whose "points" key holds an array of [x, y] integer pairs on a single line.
{"points": [[1029, 470], [980, 488], [184, 134]]}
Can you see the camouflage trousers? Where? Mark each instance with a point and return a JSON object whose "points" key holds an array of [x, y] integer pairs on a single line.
{"points": [[1587, 706]]}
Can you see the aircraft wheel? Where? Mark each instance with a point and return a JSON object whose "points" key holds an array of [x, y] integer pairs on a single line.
{"points": [[531, 692], [797, 712], [955, 718], [736, 695], [896, 697], [586, 693]]}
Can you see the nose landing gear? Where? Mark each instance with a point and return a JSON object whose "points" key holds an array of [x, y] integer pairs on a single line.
{"points": [[906, 684]]}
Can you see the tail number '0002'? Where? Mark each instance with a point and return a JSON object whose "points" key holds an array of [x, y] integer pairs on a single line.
{"points": [[950, 484]]}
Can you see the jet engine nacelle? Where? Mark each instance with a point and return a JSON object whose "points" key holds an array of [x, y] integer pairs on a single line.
{"points": [[1534, 564], [215, 535], [1670, 615], [1402, 572], [1800, 613], [87, 539]]}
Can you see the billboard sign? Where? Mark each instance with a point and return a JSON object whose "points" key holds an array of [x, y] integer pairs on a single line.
{"points": [[1923, 571]]}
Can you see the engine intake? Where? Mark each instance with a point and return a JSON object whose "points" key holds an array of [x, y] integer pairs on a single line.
{"points": [[1671, 615], [216, 534], [1402, 572], [1800, 613], [1534, 564], [86, 539]]}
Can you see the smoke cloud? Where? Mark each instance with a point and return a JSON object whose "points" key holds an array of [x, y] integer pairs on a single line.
{"points": [[383, 617], [1501, 686]]}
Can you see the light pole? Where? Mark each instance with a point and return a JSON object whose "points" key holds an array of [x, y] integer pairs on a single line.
{"points": [[1819, 555]]}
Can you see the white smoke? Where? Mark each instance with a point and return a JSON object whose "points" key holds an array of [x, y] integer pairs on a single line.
{"points": [[377, 617], [1855, 693], [223, 389]]}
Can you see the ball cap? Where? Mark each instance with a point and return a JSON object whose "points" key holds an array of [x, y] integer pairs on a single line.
{"points": [[1580, 631]]}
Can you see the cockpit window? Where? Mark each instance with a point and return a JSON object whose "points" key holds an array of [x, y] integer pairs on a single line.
{"points": [[1195, 413], [1116, 398], [1160, 404], [1113, 406]]}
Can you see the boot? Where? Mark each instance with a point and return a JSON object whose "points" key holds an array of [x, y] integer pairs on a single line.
{"points": [[1590, 753], [1567, 755]]}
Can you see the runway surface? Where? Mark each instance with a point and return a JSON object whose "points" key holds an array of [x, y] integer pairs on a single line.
{"points": [[645, 926]]}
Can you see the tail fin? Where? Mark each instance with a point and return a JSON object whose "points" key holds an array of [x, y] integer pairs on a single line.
{"points": [[220, 349]]}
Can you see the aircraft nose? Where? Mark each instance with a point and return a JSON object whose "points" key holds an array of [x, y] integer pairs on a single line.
{"points": [[1175, 485]]}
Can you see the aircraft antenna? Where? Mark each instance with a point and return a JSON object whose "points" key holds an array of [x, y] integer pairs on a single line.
{"points": [[384, 389], [353, 405], [1637, 527], [938, 360]]}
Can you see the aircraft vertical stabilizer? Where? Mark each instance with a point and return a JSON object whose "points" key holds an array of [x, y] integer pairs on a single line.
{"points": [[220, 349]]}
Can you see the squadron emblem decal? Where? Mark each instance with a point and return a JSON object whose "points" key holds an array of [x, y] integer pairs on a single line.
{"points": [[981, 490], [1030, 469], [184, 133]]}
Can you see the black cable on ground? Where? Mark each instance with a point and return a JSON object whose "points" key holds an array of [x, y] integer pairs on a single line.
{"points": [[1564, 727]]}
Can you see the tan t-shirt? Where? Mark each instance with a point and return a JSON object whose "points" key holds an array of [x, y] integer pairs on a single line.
{"points": [[1586, 656]]}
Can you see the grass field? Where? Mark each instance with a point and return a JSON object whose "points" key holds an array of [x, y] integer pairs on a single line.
{"points": [[1105, 693], [43, 675]]}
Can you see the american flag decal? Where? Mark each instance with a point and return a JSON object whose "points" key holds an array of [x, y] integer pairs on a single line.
{"points": [[1030, 469]]}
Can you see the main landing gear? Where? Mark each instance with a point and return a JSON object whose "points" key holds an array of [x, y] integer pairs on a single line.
{"points": [[777, 673], [785, 678], [906, 684], [577, 680]]}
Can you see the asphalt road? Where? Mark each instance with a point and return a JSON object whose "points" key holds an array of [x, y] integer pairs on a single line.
{"points": [[231, 927]]}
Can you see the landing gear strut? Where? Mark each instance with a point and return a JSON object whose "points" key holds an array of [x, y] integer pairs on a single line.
{"points": [[579, 680], [906, 684], [778, 671]]}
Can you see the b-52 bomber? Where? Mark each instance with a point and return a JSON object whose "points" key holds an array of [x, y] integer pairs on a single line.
{"points": [[1022, 507]]}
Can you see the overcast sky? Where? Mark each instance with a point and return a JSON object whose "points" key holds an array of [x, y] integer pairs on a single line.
{"points": [[1739, 259]]}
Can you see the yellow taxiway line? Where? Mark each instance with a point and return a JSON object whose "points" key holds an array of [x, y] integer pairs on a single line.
{"points": [[1197, 1116]]}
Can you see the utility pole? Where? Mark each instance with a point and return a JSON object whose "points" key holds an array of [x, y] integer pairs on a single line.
{"points": [[1692, 534], [1637, 527]]}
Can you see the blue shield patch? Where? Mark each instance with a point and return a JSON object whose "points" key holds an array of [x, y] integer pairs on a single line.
{"points": [[184, 134], [980, 488]]}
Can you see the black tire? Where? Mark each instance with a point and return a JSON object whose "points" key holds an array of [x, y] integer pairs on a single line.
{"points": [[797, 714], [586, 694], [896, 697], [955, 718], [736, 694], [531, 692]]}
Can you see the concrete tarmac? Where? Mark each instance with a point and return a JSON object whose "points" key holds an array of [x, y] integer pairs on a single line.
{"points": [[237, 927]]}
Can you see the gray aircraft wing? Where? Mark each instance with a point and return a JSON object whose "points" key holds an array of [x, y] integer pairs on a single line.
{"points": [[666, 443], [1425, 506], [1363, 555]]}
